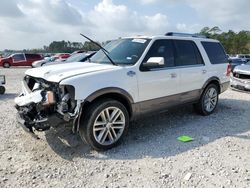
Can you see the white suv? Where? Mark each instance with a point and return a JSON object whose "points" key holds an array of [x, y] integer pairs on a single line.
{"points": [[132, 77]]}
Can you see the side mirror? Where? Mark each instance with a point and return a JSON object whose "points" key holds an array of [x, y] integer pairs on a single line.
{"points": [[154, 62]]}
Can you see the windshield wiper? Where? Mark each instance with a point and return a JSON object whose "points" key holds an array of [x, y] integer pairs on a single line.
{"points": [[103, 49]]}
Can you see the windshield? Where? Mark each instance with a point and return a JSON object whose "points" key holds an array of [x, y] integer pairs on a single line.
{"points": [[76, 57], [122, 51]]}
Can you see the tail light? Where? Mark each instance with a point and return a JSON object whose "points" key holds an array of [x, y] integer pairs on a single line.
{"points": [[229, 69]]}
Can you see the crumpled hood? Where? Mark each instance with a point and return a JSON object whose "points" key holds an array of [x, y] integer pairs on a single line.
{"points": [[245, 69], [56, 73]]}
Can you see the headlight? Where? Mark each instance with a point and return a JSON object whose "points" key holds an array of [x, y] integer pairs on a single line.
{"points": [[2, 79], [49, 98]]}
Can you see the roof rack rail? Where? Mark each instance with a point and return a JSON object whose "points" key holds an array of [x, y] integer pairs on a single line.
{"points": [[185, 35]]}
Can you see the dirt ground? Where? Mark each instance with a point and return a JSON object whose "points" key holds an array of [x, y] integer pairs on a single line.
{"points": [[150, 155]]}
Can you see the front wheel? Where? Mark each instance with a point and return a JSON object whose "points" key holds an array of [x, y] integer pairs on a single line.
{"points": [[104, 124], [6, 65], [208, 100]]}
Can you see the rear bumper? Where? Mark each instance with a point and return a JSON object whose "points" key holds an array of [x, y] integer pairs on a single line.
{"points": [[224, 86]]}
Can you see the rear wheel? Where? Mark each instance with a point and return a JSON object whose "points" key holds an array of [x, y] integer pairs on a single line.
{"points": [[208, 101], [6, 65], [104, 124]]}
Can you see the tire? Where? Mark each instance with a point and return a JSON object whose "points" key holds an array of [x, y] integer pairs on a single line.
{"points": [[208, 100], [2, 90], [6, 65], [96, 118]]}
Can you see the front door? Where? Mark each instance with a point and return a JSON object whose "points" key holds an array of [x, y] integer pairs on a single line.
{"points": [[19, 60], [158, 86]]}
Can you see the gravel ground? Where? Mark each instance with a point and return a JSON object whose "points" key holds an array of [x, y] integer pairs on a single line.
{"points": [[150, 156]]}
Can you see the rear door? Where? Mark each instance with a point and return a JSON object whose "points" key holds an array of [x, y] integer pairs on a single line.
{"points": [[218, 60], [19, 60], [192, 69], [31, 58]]}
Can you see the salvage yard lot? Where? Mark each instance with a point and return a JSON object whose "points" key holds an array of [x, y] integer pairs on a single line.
{"points": [[150, 155]]}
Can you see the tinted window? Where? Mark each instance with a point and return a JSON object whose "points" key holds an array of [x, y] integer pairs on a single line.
{"points": [[162, 48], [32, 56], [187, 53], [215, 52], [18, 57]]}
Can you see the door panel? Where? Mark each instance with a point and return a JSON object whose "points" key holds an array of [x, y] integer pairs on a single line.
{"points": [[161, 81], [156, 86], [19, 60], [193, 72]]}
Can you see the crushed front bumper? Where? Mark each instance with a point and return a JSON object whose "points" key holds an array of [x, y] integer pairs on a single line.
{"points": [[240, 84], [40, 109], [36, 110]]}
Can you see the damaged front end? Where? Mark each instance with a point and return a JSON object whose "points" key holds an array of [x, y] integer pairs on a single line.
{"points": [[43, 104]]}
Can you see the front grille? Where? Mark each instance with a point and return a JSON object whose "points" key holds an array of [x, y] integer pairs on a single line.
{"points": [[241, 76]]}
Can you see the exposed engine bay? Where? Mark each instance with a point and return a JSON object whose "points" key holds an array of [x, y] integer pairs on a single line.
{"points": [[43, 104]]}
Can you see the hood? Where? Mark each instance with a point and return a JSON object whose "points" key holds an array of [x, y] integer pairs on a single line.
{"points": [[244, 69], [56, 73], [4, 58]]}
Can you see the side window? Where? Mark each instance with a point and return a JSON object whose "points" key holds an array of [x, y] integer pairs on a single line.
{"points": [[187, 53], [31, 56], [28, 56], [162, 48], [215, 52], [18, 57]]}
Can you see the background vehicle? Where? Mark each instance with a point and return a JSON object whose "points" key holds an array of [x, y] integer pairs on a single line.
{"points": [[78, 57], [244, 57], [78, 51], [19, 59], [61, 56], [241, 77], [2, 82], [235, 62], [43, 61], [129, 78]]}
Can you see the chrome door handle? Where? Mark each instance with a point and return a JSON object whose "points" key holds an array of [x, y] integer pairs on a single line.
{"points": [[173, 75], [204, 71], [131, 73]]}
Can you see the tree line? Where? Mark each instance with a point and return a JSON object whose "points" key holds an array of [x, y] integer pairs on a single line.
{"points": [[60, 47], [233, 42]]}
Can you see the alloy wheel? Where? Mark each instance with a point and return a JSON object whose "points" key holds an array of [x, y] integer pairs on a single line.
{"points": [[109, 126], [211, 99]]}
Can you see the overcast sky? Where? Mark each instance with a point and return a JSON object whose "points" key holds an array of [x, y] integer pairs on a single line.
{"points": [[34, 23]]}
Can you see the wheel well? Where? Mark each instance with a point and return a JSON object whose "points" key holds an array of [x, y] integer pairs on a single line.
{"points": [[215, 82], [122, 99]]}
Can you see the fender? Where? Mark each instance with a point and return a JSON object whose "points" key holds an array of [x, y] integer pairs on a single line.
{"points": [[214, 78], [109, 90], [95, 95]]}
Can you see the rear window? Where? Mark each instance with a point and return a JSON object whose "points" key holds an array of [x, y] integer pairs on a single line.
{"points": [[215, 52]]}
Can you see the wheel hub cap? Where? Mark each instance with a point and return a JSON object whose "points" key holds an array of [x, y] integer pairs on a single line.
{"points": [[211, 99], [109, 126]]}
